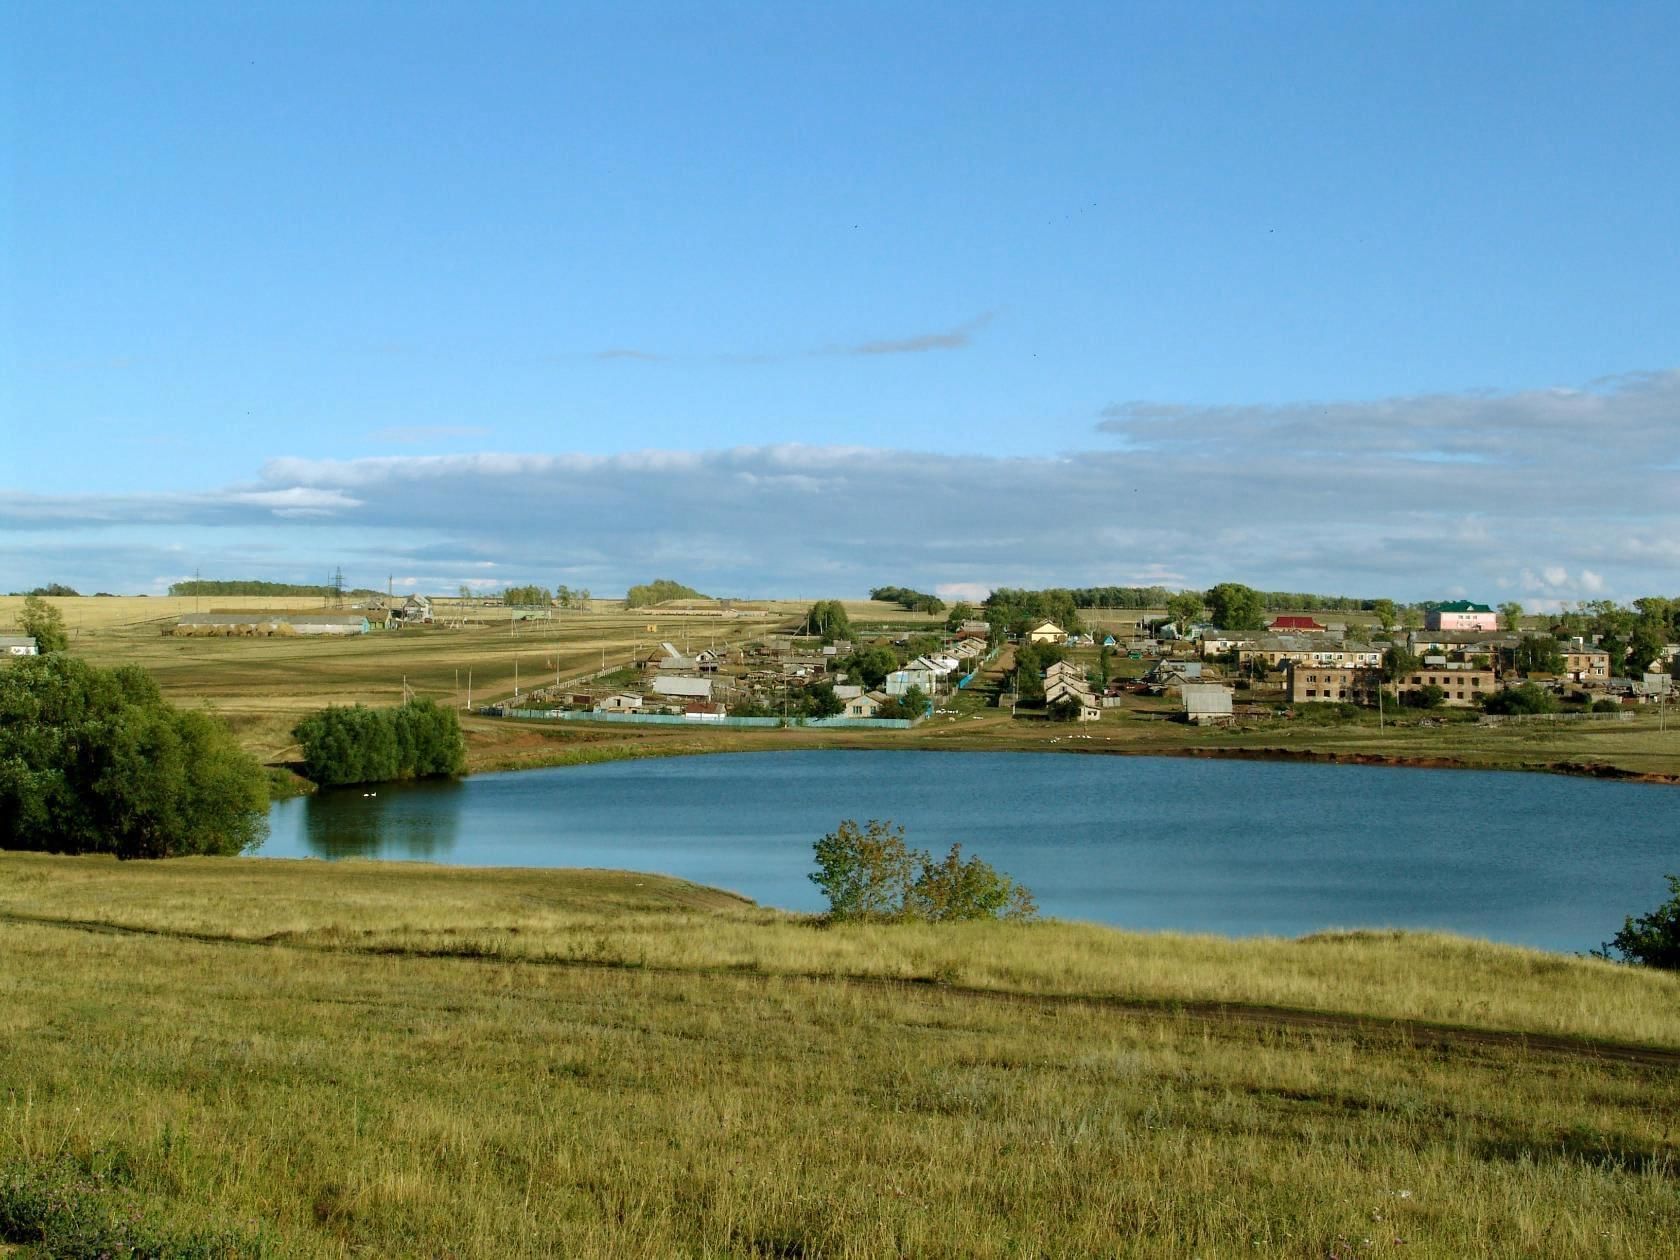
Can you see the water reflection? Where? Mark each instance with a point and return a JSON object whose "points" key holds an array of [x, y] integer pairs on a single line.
{"points": [[419, 822]]}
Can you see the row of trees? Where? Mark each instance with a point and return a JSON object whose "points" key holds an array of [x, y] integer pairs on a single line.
{"points": [[657, 592], [95, 761], [277, 590], [904, 597], [869, 873], [343, 745]]}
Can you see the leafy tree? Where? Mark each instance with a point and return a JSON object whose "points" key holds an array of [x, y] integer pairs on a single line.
{"points": [[1527, 698], [1388, 616], [866, 872], [54, 588], [871, 665], [1651, 940], [1430, 696], [869, 872], [821, 702], [1539, 654], [95, 761], [1648, 643], [1235, 606], [1064, 710], [960, 612], [952, 890], [1511, 615], [1184, 608], [1398, 662], [912, 705], [362, 745], [45, 624], [1411, 617], [828, 619]]}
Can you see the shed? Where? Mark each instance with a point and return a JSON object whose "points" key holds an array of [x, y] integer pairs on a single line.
{"points": [[17, 645], [1206, 703], [688, 688]]}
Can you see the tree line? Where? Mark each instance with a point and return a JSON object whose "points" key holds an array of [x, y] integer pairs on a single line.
{"points": [[904, 597], [657, 592], [207, 586], [356, 744]]}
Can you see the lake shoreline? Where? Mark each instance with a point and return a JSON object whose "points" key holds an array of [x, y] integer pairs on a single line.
{"points": [[597, 753]]}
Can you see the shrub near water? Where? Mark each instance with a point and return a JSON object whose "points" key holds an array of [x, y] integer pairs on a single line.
{"points": [[868, 872], [362, 745], [95, 761]]}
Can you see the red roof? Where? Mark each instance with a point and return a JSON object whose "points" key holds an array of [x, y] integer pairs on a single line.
{"points": [[1295, 623]]}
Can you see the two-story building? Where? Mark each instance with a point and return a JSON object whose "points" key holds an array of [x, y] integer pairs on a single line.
{"points": [[1461, 614]]}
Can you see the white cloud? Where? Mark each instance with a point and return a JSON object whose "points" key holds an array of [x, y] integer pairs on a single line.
{"points": [[1327, 498]]}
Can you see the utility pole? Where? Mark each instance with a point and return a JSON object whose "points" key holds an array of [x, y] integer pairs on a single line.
{"points": [[469, 691]]}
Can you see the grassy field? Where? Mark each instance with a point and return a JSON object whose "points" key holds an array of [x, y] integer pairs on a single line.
{"points": [[361, 1059]]}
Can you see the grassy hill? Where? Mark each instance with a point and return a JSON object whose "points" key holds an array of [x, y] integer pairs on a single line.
{"points": [[366, 1059]]}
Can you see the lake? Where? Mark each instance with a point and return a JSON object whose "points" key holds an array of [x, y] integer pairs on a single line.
{"points": [[1233, 847]]}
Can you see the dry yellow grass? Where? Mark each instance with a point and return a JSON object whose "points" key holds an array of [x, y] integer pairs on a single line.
{"points": [[307, 1098]]}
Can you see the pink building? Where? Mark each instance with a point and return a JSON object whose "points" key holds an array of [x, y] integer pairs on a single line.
{"points": [[1461, 614]]}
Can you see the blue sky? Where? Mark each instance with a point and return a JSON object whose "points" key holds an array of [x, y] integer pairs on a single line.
{"points": [[1367, 298]]}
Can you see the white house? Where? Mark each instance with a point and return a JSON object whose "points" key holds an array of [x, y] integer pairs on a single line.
{"points": [[17, 645], [621, 702], [866, 705], [1047, 632]]}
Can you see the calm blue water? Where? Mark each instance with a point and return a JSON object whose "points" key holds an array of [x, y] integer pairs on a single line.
{"points": [[1234, 847]]}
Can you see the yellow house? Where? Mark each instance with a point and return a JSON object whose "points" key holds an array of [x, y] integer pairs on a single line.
{"points": [[1047, 632]]}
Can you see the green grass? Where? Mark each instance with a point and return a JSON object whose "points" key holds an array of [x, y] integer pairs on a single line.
{"points": [[362, 1059]]}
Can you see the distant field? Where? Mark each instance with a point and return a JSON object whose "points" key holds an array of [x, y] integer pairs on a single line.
{"points": [[313, 1060], [261, 687]]}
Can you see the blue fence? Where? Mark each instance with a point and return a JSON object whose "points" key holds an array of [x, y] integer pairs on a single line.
{"points": [[697, 719]]}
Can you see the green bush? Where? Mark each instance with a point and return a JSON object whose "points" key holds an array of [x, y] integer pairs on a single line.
{"points": [[1607, 706], [954, 890], [1527, 698], [1652, 940], [94, 761], [362, 745], [869, 872]]}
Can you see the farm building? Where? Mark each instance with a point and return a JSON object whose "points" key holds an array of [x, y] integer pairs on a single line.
{"points": [[17, 645], [264, 624], [1206, 703], [1047, 632], [685, 688]]}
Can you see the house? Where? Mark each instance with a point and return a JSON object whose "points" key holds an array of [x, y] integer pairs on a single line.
{"points": [[847, 691], [1206, 704], [17, 645], [684, 688], [1309, 683], [416, 610], [866, 705], [1047, 632], [1108, 641], [618, 702], [1461, 614], [1173, 673], [1274, 652], [1585, 664], [1464, 684], [1064, 669], [974, 630], [1292, 624]]}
